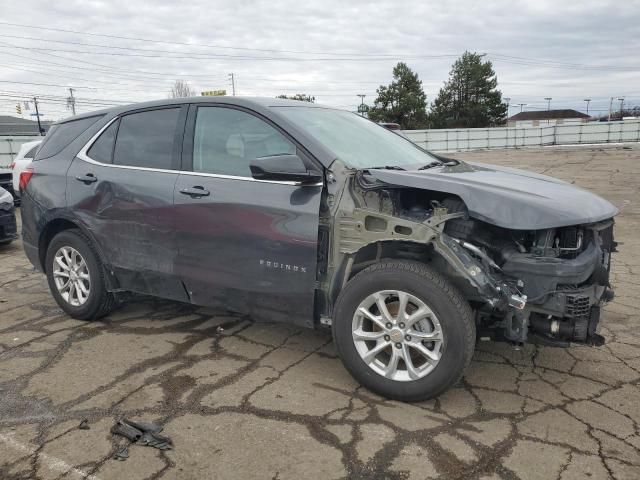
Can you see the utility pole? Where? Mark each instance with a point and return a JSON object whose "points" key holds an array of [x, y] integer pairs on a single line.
{"points": [[71, 101], [621, 104], [35, 103], [361, 95], [548, 99], [507, 99], [587, 100], [521, 105], [610, 107], [233, 84]]}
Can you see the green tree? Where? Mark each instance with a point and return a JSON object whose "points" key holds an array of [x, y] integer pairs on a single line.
{"points": [[403, 101], [303, 97], [469, 99]]}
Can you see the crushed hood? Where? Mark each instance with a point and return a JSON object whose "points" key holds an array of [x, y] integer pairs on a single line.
{"points": [[507, 197]]}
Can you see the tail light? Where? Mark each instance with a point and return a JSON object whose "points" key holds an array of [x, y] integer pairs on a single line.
{"points": [[25, 178]]}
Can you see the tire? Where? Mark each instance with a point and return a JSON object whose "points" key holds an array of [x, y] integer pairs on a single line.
{"points": [[99, 302], [453, 316]]}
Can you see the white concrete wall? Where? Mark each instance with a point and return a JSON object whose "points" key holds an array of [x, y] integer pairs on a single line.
{"points": [[9, 146], [506, 137], [545, 123]]}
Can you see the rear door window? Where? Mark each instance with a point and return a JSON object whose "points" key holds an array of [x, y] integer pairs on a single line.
{"points": [[102, 148], [147, 139], [62, 134]]}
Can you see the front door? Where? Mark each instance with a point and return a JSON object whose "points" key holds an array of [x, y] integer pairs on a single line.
{"points": [[121, 189], [243, 244]]}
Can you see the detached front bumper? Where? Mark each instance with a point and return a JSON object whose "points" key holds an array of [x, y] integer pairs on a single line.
{"points": [[564, 296], [543, 276]]}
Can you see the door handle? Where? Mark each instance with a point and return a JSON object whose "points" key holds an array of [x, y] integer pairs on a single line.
{"points": [[195, 192], [87, 179]]}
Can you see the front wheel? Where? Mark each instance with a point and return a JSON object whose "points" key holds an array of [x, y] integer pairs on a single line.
{"points": [[403, 330]]}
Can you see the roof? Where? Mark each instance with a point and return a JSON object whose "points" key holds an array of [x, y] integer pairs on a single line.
{"points": [[248, 102], [20, 126], [548, 115]]}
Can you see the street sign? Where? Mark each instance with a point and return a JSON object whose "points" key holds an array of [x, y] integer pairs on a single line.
{"points": [[363, 108], [214, 93]]}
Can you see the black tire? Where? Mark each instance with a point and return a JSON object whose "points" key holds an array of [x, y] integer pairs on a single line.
{"points": [[453, 311], [100, 301]]}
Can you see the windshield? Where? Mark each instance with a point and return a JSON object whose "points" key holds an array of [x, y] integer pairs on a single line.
{"points": [[356, 141]]}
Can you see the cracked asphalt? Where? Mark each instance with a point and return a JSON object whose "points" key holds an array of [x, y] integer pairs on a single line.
{"points": [[254, 400]]}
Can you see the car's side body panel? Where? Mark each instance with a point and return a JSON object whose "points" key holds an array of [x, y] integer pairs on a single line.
{"points": [[130, 213], [248, 245]]}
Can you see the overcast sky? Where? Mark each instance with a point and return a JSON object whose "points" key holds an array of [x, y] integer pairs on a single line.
{"points": [[332, 49]]}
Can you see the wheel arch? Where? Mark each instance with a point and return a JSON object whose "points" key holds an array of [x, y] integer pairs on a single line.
{"points": [[400, 249], [61, 223]]}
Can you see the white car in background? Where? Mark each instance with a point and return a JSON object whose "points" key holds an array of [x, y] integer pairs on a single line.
{"points": [[23, 159]]}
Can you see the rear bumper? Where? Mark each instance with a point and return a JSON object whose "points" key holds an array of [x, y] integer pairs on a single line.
{"points": [[32, 254]]}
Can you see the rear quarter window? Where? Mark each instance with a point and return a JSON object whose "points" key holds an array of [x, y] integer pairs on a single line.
{"points": [[62, 134], [32, 152]]}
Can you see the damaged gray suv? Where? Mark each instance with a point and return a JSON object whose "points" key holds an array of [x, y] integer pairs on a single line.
{"points": [[289, 211]]}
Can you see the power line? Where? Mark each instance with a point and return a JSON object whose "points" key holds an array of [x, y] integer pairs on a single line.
{"points": [[108, 68], [92, 81], [197, 55], [166, 42], [222, 56], [379, 56]]}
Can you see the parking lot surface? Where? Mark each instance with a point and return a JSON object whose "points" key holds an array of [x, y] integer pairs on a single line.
{"points": [[252, 400]]}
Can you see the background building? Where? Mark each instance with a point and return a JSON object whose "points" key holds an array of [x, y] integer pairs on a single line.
{"points": [[547, 117]]}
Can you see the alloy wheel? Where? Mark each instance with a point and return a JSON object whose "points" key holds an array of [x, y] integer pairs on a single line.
{"points": [[71, 276], [397, 335]]}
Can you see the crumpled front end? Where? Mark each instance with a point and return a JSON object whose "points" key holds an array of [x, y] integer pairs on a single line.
{"points": [[548, 284], [527, 284]]}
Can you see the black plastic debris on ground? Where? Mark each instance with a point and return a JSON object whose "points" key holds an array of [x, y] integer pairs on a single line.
{"points": [[122, 454], [141, 433], [84, 425]]}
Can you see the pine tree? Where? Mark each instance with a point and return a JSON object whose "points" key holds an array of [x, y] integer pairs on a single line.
{"points": [[469, 99], [403, 101]]}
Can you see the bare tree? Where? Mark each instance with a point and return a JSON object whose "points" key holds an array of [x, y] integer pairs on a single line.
{"points": [[181, 89], [302, 97]]}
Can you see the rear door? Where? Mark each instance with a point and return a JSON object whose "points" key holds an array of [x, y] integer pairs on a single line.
{"points": [[244, 244], [121, 187]]}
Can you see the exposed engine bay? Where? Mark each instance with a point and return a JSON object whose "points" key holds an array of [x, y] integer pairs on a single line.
{"points": [[543, 285]]}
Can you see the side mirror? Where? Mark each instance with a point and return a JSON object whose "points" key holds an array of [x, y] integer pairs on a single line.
{"points": [[283, 168]]}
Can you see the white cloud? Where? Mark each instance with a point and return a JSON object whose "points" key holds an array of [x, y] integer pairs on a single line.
{"points": [[586, 33]]}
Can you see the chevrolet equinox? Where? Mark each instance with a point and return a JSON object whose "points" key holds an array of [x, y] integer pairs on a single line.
{"points": [[294, 212]]}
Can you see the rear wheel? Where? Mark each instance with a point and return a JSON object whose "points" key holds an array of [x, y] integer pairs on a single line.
{"points": [[403, 331], [76, 276]]}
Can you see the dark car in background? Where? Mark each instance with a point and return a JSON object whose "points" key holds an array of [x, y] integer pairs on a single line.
{"points": [[294, 212], [8, 229]]}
